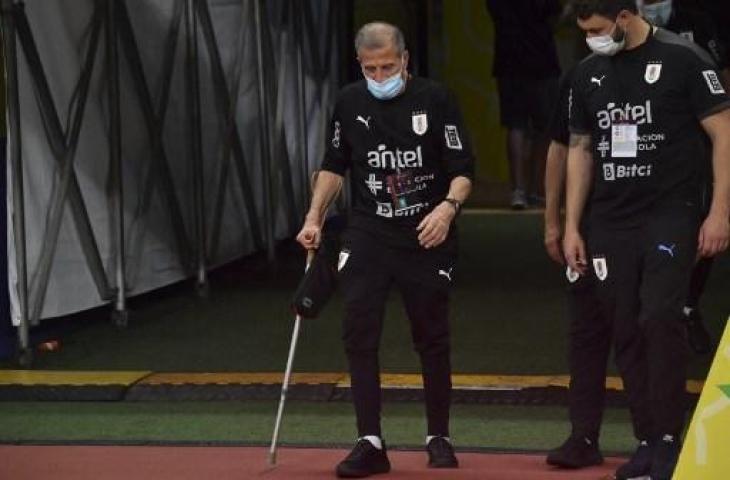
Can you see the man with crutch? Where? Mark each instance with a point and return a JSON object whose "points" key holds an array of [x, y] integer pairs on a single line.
{"points": [[402, 139]]}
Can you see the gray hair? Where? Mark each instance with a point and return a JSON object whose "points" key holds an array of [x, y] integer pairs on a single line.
{"points": [[379, 35]]}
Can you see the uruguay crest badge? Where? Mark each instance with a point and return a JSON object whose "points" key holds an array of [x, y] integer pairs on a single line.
{"points": [[653, 72], [420, 122]]}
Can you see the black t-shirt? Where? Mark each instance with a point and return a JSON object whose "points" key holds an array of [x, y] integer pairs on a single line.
{"points": [[524, 43], [642, 108], [418, 135], [698, 27]]}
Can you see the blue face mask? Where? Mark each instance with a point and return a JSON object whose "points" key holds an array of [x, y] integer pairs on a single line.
{"points": [[658, 13], [388, 88]]}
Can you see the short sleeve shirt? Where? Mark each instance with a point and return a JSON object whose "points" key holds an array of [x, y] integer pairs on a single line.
{"points": [[401, 153], [642, 109]]}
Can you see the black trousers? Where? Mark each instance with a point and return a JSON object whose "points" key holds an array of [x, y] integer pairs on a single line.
{"points": [[368, 270], [644, 276], [589, 345]]}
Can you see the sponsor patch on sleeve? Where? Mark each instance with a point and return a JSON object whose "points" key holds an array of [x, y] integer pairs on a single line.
{"points": [[713, 82], [452, 137], [336, 135]]}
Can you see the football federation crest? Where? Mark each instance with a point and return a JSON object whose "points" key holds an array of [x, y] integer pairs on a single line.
{"points": [[571, 275], [420, 122], [344, 255], [600, 267], [653, 72]]}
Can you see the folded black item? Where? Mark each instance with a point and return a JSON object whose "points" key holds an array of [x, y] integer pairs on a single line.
{"points": [[320, 279]]}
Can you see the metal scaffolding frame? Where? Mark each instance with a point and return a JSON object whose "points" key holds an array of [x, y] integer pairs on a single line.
{"points": [[293, 44]]}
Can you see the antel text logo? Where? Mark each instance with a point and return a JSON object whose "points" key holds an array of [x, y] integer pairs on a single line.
{"points": [[384, 158], [635, 114]]}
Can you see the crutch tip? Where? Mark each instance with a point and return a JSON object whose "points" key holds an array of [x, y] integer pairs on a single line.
{"points": [[272, 458]]}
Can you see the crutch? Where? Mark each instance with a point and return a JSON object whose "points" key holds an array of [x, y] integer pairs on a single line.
{"points": [[287, 377], [290, 360]]}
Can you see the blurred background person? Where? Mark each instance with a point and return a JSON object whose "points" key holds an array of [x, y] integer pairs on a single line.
{"points": [[527, 70]]}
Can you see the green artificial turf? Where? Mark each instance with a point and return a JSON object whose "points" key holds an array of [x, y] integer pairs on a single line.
{"points": [[508, 316], [473, 426]]}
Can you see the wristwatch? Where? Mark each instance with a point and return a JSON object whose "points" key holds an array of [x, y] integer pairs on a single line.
{"points": [[454, 203]]}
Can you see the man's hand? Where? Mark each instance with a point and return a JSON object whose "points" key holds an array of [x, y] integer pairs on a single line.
{"points": [[553, 237], [310, 235], [435, 226], [714, 235], [575, 251]]}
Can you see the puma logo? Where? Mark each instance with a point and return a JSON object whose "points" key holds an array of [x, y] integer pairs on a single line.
{"points": [[445, 273], [669, 249], [597, 80], [364, 121]]}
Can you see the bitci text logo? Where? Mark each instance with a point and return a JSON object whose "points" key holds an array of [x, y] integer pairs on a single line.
{"points": [[613, 172]]}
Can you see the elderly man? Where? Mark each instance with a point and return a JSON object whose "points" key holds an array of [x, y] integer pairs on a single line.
{"points": [[402, 139]]}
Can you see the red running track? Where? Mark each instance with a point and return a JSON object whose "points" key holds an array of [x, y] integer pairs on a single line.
{"points": [[238, 463]]}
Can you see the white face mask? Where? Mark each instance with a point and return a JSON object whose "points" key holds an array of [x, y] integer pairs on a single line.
{"points": [[658, 13], [606, 44]]}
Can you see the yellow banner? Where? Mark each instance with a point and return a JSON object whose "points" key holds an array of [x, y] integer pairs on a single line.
{"points": [[706, 452]]}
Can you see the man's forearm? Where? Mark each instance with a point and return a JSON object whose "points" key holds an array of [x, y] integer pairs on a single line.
{"points": [[721, 176], [554, 181], [326, 187], [459, 189], [717, 127], [580, 169]]}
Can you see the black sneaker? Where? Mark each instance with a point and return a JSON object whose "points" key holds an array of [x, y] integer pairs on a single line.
{"points": [[639, 465], [441, 454], [666, 454], [364, 460], [697, 334], [575, 452]]}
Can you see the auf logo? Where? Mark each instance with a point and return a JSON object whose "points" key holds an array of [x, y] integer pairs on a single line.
{"points": [[669, 249]]}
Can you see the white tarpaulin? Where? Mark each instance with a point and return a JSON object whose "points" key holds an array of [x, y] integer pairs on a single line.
{"points": [[62, 30]]}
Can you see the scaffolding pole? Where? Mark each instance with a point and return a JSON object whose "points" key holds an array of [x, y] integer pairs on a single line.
{"points": [[196, 148], [25, 356], [120, 313], [265, 132]]}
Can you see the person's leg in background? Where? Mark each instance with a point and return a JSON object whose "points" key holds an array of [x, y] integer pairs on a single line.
{"points": [[589, 345], [544, 94], [424, 279], [365, 279], [697, 334], [514, 115]]}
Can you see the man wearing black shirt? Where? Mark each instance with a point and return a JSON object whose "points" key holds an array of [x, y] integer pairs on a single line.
{"points": [[640, 110], [526, 68], [698, 27], [403, 141], [589, 334]]}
